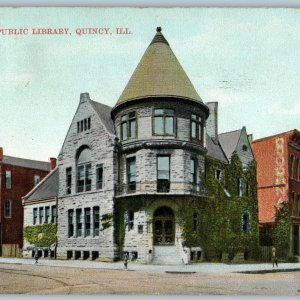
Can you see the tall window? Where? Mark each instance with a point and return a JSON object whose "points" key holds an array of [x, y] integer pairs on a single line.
{"points": [[163, 173], [8, 180], [7, 209], [128, 126], [84, 168], [131, 173], [195, 221], [164, 122], [131, 220], [47, 214], [70, 222], [35, 215], [292, 162], [193, 171], [53, 214], [99, 177], [87, 221], [196, 127], [68, 180], [41, 215], [246, 222], [241, 185], [37, 179], [298, 169], [78, 222], [218, 174], [96, 220]]}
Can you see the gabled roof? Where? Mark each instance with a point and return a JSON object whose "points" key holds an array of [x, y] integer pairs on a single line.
{"points": [[214, 149], [46, 189], [26, 163], [229, 141], [159, 74], [104, 112]]}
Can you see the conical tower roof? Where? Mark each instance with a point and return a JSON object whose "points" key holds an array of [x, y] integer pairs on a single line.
{"points": [[158, 74]]}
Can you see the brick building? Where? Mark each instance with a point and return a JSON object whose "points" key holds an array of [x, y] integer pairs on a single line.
{"points": [[18, 177], [127, 173], [278, 176]]}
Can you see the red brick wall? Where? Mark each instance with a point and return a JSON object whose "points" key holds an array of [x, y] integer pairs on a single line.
{"points": [[271, 155], [22, 183]]}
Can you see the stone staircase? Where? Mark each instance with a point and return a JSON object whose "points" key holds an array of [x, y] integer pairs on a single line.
{"points": [[166, 255]]}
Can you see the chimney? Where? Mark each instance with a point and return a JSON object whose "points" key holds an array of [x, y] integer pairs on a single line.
{"points": [[52, 162], [212, 120], [1, 153], [84, 97]]}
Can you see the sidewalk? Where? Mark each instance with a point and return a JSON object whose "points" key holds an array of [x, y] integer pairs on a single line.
{"points": [[133, 266]]}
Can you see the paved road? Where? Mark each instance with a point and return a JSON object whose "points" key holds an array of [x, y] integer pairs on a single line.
{"points": [[198, 268], [55, 277]]}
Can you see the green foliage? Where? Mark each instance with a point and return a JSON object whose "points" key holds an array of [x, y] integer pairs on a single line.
{"points": [[41, 235], [219, 223], [106, 221], [281, 233]]}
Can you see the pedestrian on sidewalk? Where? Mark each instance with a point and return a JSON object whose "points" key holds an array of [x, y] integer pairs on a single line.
{"points": [[36, 257], [274, 257], [125, 260]]}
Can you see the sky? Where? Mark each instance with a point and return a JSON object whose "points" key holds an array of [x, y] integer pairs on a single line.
{"points": [[248, 60]]}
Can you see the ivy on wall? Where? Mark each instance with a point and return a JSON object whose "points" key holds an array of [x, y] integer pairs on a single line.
{"points": [[281, 233], [43, 235], [219, 223]]}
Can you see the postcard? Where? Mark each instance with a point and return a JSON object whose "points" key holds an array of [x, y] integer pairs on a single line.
{"points": [[149, 151]]}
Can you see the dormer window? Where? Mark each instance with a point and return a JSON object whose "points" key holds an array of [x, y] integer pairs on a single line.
{"points": [[163, 122], [84, 125], [196, 127], [128, 126]]}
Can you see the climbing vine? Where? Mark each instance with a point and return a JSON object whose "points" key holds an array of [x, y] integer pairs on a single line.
{"points": [[219, 223], [41, 235]]}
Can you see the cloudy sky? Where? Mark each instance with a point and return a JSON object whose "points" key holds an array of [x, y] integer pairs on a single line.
{"points": [[246, 59]]}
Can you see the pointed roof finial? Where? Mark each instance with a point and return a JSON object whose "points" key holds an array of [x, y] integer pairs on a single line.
{"points": [[158, 29]]}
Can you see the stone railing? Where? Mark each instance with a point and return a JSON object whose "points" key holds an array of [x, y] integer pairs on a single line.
{"points": [[156, 187]]}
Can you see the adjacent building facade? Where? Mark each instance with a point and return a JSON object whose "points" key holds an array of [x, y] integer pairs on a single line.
{"points": [[278, 176], [18, 177], [133, 178]]}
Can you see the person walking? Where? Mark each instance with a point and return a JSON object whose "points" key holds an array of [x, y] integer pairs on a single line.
{"points": [[274, 257], [125, 260], [36, 257]]}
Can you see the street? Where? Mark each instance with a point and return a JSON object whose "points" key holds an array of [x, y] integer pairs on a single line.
{"points": [[57, 280]]}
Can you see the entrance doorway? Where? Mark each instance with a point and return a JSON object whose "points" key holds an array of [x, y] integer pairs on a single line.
{"points": [[164, 227]]}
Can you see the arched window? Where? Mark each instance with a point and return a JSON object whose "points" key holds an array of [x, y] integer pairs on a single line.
{"points": [[246, 222], [245, 148], [84, 168]]}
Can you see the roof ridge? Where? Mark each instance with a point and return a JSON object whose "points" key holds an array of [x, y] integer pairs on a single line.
{"points": [[231, 131]]}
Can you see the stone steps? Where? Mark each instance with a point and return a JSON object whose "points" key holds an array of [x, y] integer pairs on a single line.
{"points": [[166, 255]]}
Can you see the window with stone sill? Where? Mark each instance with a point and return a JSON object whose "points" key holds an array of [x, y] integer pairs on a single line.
{"points": [[164, 122], [128, 126], [131, 174], [68, 181], [8, 179], [41, 215], [7, 209], [241, 187], [53, 214], [47, 214], [79, 222], [87, 221], [193, 171], [163, 173], [99, 177], [197, 127], [70, 222], [84, 170], [35, 215], [96, 220]]}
